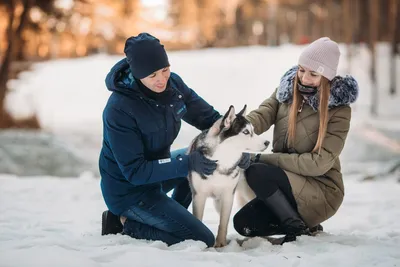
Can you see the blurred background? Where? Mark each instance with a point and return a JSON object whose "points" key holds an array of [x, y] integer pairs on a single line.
{"points": [[39, 30], [38, 33]]}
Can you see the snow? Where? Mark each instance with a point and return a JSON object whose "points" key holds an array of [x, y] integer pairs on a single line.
{"points": [[32, 153], [47, 221], [51, 208]]}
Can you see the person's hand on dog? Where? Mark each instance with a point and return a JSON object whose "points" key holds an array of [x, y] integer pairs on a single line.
{"points": [[245, 161], [200, 164]]}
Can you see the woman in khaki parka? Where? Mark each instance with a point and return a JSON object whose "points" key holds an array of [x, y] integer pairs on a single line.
{"points": [[300, 184]]}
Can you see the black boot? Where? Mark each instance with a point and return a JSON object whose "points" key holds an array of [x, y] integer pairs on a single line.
{"points": [[110, 223], [291, 223]]}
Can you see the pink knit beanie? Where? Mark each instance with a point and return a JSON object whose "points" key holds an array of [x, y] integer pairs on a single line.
{"points": [[321, 56]]}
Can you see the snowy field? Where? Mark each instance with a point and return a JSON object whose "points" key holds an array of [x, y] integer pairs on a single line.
{"points": [[53, 221], [47, 222]]}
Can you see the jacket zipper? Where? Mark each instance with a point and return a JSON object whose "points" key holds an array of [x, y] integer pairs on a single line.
{"points": [[301, 107]]}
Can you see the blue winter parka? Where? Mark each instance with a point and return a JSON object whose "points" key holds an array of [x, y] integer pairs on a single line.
{"points": [[138, 133]]}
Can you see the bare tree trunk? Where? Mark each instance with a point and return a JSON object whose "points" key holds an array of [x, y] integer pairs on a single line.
{"points": [[284, 27], [309, 24], [13, 38], [336, 22], [5, 64], [324, 17], [356, 16], [373, 29], [272, 23], [279, 27], [348, 30], [314, 25], [19, 41], [395, 36], [328, 23], [365, 16]]}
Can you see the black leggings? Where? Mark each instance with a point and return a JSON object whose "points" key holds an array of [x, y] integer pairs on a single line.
{"points": [[255, 219]]}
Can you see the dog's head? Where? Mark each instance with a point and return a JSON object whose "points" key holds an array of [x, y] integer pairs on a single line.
{"points": [[237, 130]]}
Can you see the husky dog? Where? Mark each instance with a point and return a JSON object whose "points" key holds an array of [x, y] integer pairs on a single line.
{"points": [[225, 142]]}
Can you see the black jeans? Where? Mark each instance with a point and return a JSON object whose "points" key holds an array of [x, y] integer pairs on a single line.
{"points": [[255, 219]]}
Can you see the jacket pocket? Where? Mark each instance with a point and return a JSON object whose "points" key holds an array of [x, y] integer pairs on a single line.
{"points": [[179, 111], [153, 136]]}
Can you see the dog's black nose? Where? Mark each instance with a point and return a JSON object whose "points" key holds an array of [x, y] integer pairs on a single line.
{"points": [[266, 143]]}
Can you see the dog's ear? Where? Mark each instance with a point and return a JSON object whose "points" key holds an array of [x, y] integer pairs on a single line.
{"points": [[228, 119], [243, 111], [216, 128]]}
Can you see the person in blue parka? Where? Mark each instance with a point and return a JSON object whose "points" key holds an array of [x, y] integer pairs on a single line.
{"points": [[141, 120]]}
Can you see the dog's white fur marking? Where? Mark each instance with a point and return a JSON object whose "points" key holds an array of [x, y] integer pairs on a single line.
{"points": [[223, 183]]}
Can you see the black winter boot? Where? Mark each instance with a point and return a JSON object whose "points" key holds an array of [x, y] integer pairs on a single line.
{"points": [[291, 223], [110, 223]]}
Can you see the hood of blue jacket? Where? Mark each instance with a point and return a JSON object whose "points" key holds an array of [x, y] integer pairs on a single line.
{"points": [[120, 78]]}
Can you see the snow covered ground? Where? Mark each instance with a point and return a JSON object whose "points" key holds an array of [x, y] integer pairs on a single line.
{"points": [[52, 221], [47, 222]]}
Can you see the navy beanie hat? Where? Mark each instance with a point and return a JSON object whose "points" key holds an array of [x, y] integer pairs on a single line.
{"points": [[145, 55]]}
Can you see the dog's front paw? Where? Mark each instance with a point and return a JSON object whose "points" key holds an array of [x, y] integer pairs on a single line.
{"points": [[220, 242]]}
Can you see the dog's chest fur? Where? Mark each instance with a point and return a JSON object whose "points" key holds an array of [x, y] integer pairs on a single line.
{"points": [[225, 177], [215, 185]]}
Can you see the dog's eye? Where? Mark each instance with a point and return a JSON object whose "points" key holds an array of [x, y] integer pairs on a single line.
{"points": [[246, 132]]}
